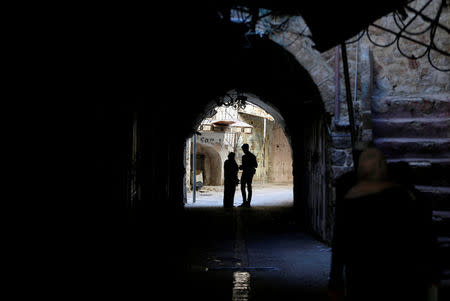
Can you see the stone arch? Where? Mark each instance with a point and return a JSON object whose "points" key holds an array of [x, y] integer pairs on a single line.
{"points": [[296, 77], [212, 164], [319, 70], [266, 106], [275, 77]]}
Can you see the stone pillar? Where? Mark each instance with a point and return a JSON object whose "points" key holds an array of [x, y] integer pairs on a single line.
{"points": [[366, 74]]}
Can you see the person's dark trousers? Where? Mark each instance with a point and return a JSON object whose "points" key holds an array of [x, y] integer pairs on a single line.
{"points": [[228, 194], [246, 179]]}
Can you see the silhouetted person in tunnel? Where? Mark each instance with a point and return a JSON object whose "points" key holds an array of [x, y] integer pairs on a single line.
{"points": [[231, 180], [248, 168], [378, 238]]}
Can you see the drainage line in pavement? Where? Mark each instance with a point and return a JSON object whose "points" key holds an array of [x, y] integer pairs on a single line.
{"points": [[240, 248]]}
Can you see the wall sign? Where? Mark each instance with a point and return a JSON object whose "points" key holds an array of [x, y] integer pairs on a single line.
{"points": [[211, 138]]}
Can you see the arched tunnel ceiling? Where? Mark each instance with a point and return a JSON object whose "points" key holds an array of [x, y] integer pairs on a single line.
{"points": [[272, 69], [202, 43], [270, 76]]}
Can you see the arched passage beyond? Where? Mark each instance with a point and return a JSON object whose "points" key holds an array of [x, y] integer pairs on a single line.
{"points": [[168, 115], [209, 162], [277, 83]]}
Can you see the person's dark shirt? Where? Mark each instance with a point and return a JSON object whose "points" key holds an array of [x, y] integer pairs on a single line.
{"points": [[379, 238], [231, 170], [249, 163]]}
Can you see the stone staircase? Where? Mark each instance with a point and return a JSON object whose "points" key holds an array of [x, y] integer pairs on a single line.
{"points": [[417, 131]]}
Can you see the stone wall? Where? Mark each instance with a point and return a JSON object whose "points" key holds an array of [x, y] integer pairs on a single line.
{"points": [[274, 155], [400, 76], [400, 104], [280, 157], [380, 72], [410, 107], [321, 67], [256, 143]]}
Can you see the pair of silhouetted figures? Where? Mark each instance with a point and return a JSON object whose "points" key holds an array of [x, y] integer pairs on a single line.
{"points": [[383, 246], [231, 169]]}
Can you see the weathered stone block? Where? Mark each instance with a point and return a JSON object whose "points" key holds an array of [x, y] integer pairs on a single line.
{"points": [[349, 159], [367, 120], [339, 171], [342, 141], [339, 157], [367, 135]]}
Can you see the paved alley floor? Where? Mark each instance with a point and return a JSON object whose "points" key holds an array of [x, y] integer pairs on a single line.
{"points": [[256, 253], [207, 252]]}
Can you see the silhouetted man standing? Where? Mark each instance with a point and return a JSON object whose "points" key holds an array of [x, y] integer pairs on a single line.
{"points": [[248, 168], [231, 180]]}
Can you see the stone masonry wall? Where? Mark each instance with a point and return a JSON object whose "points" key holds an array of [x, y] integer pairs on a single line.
{"points": [[273, 156], [281, 158], [380, 72], [381, 78]]}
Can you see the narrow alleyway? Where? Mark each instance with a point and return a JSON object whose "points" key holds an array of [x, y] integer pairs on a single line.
{"points": [[252, 254]]}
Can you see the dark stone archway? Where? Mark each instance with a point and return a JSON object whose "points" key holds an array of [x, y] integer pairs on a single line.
{"points": [[201, 68], [280, 85]]}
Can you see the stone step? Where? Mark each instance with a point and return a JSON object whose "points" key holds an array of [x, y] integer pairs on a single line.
{"points": [[411, 107], [439, 196], [434, 172], [445, 216], [411, 127], [395, 148], [441, 227], [420, 161]]}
